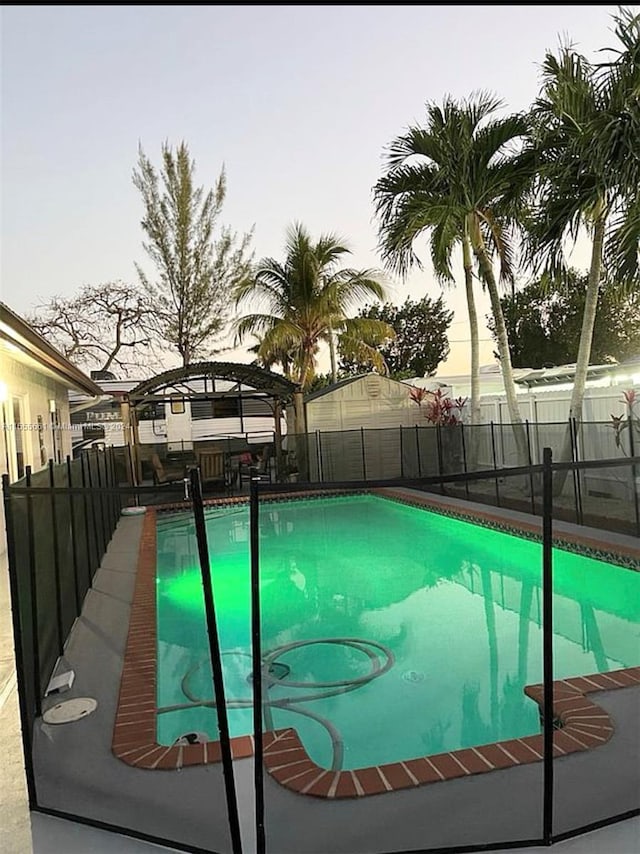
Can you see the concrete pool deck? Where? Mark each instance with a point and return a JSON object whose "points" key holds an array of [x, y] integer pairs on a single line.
{"points": [[76, 771]]}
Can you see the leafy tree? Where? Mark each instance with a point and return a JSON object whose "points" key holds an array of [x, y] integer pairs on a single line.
{"points": [[320, 381], [544, 323], [306, 301], [460, 181], [586, 126], [101, 328], [196, 271], [421, 337]]}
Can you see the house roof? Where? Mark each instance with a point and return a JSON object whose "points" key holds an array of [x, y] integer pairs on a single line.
{"points": [[17, 334], [561, 373]]}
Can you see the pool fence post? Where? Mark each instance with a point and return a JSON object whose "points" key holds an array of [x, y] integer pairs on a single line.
{"points": [[92, 501], [256, 664], [111, 484], [87, 526], [56, 560], [364, 458], [34, 596], [216, 662], [100, 493], [401, 454], [439, 454], [634, 474], [495, 465], [464, 458], [530, 463], [18, 629], [418, 453], [117, 501], [72, 523], [319, 452], [111, 498], [577, 486], [547, 642], [131, 474]]}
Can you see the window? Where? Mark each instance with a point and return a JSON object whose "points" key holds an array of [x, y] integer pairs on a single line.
{"points": [[43, 447], [177, 405], [153, 412], [17, 432], [55, 435], [223, 407]]}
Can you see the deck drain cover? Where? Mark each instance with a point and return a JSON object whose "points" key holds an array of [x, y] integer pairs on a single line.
{"points": [[70, 710]]}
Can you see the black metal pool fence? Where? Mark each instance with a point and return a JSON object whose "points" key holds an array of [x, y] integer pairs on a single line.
{"points": [[581, 495], [59, 523], [606, 495]]}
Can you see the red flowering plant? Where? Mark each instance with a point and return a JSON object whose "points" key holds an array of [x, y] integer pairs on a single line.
{"points": [[444, 411], [620, 423], [418, 395]]}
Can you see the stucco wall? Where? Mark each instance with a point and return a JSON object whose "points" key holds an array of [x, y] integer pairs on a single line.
{"points": [[34, 390]]}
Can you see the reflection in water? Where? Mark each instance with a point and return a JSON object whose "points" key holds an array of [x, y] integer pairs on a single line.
{"points": [[474, 729], [592, 639], [434, 739], [526, 599], [492, 639]]}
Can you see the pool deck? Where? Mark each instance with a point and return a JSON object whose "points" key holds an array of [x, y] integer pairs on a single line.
{"points": [[77, 773], [583, 724]]}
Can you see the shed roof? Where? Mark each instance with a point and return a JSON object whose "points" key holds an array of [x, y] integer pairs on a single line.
{"points": [[314, 395], [329, 389]]}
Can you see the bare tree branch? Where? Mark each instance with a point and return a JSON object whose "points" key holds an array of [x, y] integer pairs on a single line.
{"points": [[102, 327]]}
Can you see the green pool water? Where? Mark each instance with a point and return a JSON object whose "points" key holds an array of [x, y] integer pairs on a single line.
{"points": [[389, 632]]}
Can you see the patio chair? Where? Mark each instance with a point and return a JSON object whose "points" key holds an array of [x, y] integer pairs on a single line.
{"points": [[212, 467], [261, 462], [161, 476]]}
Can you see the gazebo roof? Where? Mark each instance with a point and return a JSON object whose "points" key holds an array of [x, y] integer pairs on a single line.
{"points": [[260, 380]]}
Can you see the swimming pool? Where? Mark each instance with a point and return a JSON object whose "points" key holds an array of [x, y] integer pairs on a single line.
{"points": [[438, 623]]}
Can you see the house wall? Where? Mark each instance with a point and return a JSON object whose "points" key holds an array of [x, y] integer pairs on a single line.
{"points": [[26, 394]]}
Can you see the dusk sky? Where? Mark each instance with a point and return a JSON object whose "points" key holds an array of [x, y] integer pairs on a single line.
{"points": [[297, 102]]}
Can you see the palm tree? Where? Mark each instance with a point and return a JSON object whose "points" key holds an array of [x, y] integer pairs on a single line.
{"points": [[305, 301], [586, 126], [459, 181]]}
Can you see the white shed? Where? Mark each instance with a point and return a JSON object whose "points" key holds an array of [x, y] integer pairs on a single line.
{"points": [[370, 401], [357, 429]]}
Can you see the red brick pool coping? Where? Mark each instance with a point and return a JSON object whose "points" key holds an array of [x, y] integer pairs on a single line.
{"points": [[584, 724]]}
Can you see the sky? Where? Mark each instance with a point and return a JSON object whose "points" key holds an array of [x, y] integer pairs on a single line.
{"points": [[297, 102]]}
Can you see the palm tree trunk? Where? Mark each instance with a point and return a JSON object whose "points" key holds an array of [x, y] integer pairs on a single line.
{"points": [[332, 356], [473, 330], [586, 337], [588, 321], [306, 372], [486, 269]]}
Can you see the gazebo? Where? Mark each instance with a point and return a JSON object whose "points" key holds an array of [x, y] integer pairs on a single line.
{"points": [[209, 381]]}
